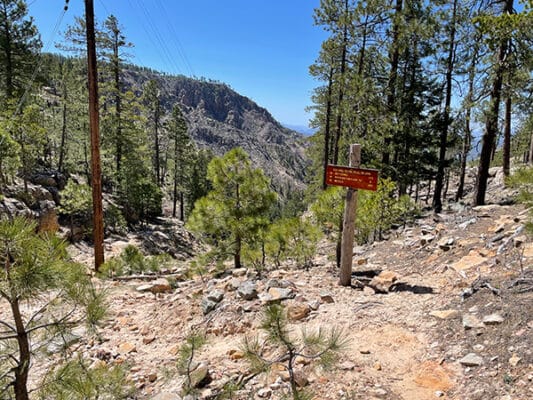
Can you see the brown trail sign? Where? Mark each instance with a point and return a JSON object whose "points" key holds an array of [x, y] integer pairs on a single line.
{"points": [[353, 178]]}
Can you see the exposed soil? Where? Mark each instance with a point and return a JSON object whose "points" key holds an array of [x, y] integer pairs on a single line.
{"points": [[406, 343]]}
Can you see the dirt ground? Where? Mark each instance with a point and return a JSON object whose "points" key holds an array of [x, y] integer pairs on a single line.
{"points": [[452, 272]]}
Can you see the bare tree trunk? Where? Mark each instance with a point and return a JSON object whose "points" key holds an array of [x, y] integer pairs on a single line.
{"points": [[437, 196], [62, 146], [467, 140], [338, 127], [393, 75], [23, 362], [507, 137], [327, 133]]}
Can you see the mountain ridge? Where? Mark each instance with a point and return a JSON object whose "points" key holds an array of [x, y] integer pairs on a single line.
{"points": [[220, 119]]}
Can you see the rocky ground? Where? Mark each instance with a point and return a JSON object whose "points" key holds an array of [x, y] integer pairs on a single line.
{"points": [[441, 309]]}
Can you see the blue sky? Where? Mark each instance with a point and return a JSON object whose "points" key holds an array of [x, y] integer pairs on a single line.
{"points": [[261, 48]]}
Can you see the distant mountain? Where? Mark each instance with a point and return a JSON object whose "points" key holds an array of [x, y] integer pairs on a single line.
{"points": [[220, 119], [305, 130]]}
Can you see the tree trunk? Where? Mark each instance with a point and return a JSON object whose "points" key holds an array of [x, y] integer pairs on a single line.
{"points": [[338, 128], [23, 364], [237, 254], [530, 155], [491, 125], [507, 137], [327, 133], [393, 75], [182, 207], [437, 197], [467, 140], [62, 149]]}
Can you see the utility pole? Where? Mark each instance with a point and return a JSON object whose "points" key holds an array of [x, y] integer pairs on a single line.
{"points": [[96, 172]]}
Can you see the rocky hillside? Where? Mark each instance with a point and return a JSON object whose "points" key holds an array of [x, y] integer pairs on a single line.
{"points": [[440, 309], [221, 119]]}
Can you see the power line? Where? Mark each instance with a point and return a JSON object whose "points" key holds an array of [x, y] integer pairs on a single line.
{"points": [[40, 60], [176, 41]]}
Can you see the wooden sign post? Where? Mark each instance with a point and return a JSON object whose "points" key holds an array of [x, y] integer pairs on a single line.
{"points": [[353, 178]]}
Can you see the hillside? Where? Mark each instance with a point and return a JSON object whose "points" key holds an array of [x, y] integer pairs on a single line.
{"points": [[440, 309], [220, 119]]}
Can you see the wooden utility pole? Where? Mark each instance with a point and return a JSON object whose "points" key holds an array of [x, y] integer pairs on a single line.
{"points": [[96, 172], [348, 231]]}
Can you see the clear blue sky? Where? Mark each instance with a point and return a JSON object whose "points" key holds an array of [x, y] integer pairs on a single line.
{"points": [[261, 48]]}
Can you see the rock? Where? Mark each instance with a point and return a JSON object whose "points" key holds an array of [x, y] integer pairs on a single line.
{"points": [[473, 259], [200, 375], [160, 285], [471, 322], [369, 291], [215, 295], [148, 339], [297, 311], [425, 239], [166, 396], [235, 354], [493, 319], [377, 366], [347, 366], [514, 360], [279, 293], [208, 305], [233, 284], [264, 393], [465, 224], [471, 360], [326, 297], [126, 348], [47, 217], [62, 342], [238, 272], [300, 378], [446, 243], [247, 290], [384, 281], [314, 305], [445, 314]]}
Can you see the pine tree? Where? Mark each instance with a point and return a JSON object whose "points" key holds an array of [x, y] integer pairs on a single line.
{"points": [[237, 207], [32, 266], [182, 159], [19, 46]]}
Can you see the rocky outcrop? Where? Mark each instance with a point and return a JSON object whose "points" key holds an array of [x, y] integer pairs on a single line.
{"points": [[220, 119]]}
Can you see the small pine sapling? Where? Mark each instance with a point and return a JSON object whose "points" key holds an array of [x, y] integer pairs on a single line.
{"points": [[322, 346], [186, 364]]}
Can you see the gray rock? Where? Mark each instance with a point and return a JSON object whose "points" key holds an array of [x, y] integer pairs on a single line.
{"points": [[166, 396], [247, 290], [62, 342], [446, 243], [279, 293], [215, 295], [208, 305], [471, 322], [471, 360], [493, 319], [326, 297], [199, 375], [426, 239]]}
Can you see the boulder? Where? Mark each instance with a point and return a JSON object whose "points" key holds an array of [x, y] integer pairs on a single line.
{"points": [[384, 281], [247, 290], [297, 311], [47, 217]]}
